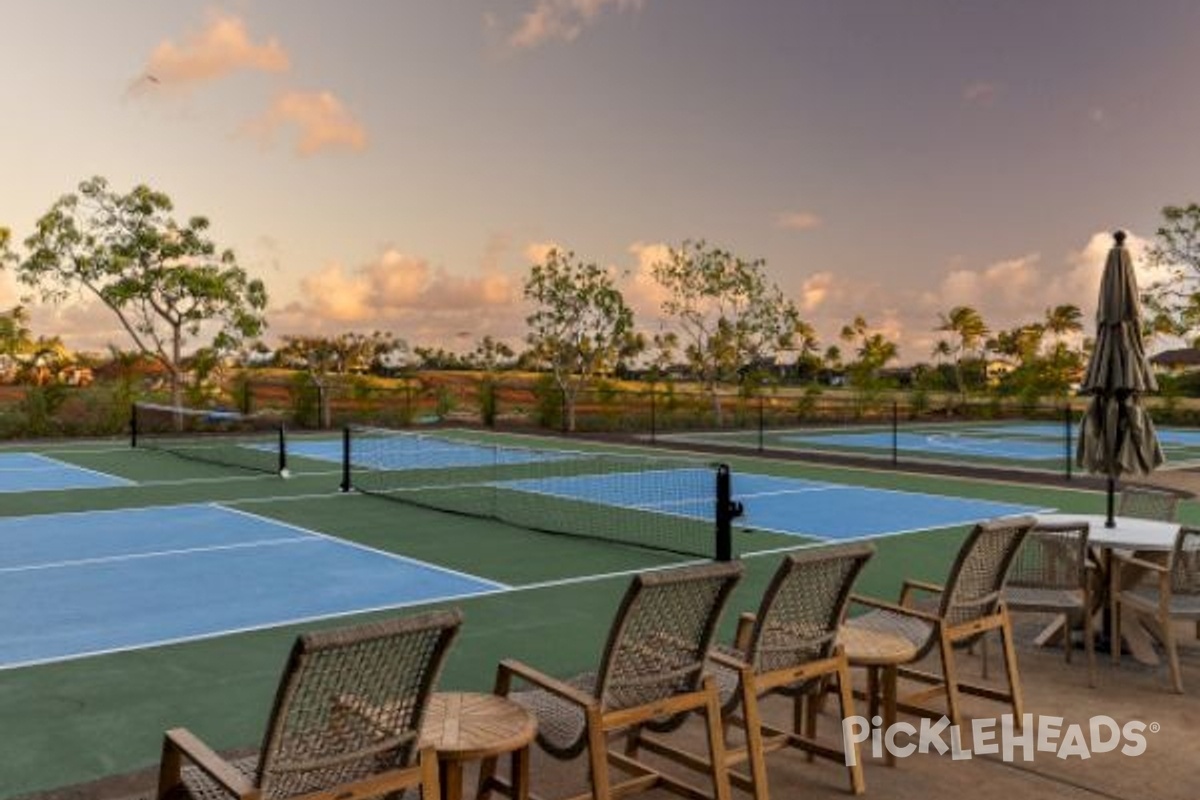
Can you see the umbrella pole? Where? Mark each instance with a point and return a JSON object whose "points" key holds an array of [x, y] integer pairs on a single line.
{"points": [[1112, 491]]}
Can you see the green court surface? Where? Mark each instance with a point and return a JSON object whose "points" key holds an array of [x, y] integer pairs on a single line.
{"points": [[80, 719]]}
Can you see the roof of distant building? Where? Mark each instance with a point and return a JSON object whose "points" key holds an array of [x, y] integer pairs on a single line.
{"points": [[1180, 357]]}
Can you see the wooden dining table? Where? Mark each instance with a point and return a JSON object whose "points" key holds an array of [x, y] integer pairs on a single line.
{"points": [[1149, 536]]}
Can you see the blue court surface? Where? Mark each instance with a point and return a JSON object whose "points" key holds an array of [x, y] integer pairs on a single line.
{"points": [[404, 452], [30, 472], [1178, 437], [79, 584], [780, 505], [945, 443]]}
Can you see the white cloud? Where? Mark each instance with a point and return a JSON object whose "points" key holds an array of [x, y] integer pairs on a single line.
{"points": [[981, 93], [320, 120], [798, 220], [557, 20], [222, 47], [536, 252]]}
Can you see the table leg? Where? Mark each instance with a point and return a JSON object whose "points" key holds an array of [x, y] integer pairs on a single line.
{"points": [[452, 779], [520, 773]]}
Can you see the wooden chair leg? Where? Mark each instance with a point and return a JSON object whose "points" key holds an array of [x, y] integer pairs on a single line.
{"points": [[1168, 634], [891, 680], [754, 744], [716, 740], [487, 774], [873, 691], [810, 707], [431, 785], [950, 677], [1067, 643], [597, 757], [858, 784], [1114, 614], [1010, 668], [1089, 643]]}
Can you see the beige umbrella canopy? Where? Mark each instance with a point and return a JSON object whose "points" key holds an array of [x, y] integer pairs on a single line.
{"points": [[1117, 436]]}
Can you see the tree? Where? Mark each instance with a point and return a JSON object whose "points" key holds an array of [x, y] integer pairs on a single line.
{"points": [[491, 354], [873, 349], [580, 324], [967, 324], [728, 314], [165, 281], [15, 335], [7, 256]]}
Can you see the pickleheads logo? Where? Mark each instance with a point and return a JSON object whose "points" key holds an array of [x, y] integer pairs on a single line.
{"points": [[1101, 734]]}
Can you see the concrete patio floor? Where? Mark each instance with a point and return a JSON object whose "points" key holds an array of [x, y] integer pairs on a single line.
{"points": [[1169, 769]]}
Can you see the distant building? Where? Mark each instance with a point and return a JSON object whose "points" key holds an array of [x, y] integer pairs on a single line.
{"points": [[1178, 361]]}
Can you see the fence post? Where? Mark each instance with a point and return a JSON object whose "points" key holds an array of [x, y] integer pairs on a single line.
{"points": [[895, 432], [1067, 436], [346, 459]]}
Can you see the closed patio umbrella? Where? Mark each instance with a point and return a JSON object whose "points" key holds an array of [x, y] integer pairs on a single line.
{"points": [[1117, 436]]}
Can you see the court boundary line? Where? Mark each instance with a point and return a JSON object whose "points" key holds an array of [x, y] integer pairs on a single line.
{"points": [[360, 546], [80, 562]]}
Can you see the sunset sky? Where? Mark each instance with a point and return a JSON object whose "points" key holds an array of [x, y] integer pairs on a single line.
{"points": [[397, 165]]}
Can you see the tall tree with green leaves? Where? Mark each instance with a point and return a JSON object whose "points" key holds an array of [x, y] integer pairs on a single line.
{"points": [[166, 281], [1173, 304], [728, 314], [968, 326], [580, 322]]}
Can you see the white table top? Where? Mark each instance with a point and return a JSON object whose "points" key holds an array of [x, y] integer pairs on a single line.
{"points": [[1130, 533]]}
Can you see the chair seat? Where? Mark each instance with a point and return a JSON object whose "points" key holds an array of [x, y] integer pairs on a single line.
{"points": [[561, 723], [884, 637], [1146, 599], [1040, 598], [198, 786]]}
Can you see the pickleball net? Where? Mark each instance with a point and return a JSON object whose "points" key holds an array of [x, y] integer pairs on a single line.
{"points": [[673, 505], [249, 441]]}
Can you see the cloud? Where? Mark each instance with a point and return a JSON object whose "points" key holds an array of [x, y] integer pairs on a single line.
{"points": [[980, 93], [814, 290], [557, 20], [798, 220], [536, 252], [396, 286], [320, 120], [221, 48]]}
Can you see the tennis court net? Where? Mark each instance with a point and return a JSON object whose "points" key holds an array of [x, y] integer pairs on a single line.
{"points": [[663, 504], [250, 441]]}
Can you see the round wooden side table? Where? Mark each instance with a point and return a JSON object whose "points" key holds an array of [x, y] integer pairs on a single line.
{"points": [[465, 726]]}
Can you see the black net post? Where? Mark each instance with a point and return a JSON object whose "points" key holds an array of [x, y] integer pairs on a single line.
{"points": [[346, 459], [1067, 438], [727, 510], [133, 425], [895, 432], [283, 470]]}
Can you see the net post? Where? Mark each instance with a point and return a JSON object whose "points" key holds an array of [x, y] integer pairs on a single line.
{"points": [[133, 425], [282, 451], [727, 510], [346, 459], [1067, 436]]}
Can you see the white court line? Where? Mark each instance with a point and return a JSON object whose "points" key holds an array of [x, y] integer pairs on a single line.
{"points": [[238, 478], [357, 545], [155, 554]]}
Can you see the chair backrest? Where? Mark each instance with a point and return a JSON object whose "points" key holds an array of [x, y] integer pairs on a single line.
{"points": [[1137, 501], [976, 581], [659, 640], [387, 667], [804, 605], [1185, 563], [1053, 556]]}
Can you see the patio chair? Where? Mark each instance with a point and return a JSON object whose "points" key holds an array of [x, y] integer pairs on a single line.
{"points": [[1173, 594], [1138, 501], [789, 647], [1053, 572], [652, 670], [345, 723], [892, 636]]}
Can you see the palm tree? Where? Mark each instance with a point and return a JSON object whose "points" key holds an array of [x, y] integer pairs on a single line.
{"points": [[1063, 319], [15, 336], [967, 324]]}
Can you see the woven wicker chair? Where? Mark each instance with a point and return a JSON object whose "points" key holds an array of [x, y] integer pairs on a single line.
{"points": [[1053, 572], [1175, 594], [1137, 501], [345, 723], [891, 636], [652, 670], [789, 647]]}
